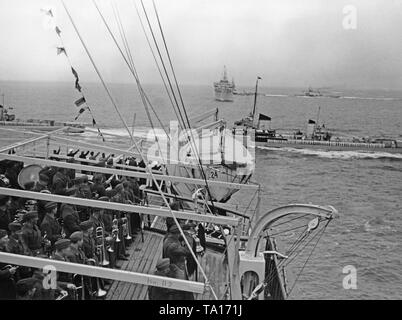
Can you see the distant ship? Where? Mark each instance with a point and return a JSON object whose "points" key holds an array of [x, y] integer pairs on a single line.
{"points": [[224, 89]]}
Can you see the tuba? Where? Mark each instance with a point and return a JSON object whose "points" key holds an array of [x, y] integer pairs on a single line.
{"points": [[29, 174], [99, 293], [100, 246]]}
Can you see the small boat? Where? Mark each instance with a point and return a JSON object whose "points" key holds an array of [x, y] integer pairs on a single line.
{"points": [[8, 119]]}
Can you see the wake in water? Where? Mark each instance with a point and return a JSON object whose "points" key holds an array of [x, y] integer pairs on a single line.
{"points": [[343, 155]]}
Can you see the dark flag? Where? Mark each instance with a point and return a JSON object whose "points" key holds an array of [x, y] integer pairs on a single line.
{"points": [[101, 135], [93, 122], [77, 84], [80, 102], [61, 50], [58, 31], [82, 110], [264, 117], [311, 122], [74, 73]]}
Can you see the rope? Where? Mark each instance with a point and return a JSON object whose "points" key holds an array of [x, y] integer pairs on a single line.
{"points": [[157, 64], [308, 258], [138, 149]]}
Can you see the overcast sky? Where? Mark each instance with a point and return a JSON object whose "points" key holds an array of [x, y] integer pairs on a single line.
{"points": [[286, 42]]}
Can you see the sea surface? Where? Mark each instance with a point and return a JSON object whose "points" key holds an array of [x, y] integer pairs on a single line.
{"points": [[366, 188]]}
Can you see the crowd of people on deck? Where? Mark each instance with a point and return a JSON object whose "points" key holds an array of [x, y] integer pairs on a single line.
{"points": [[78, 234]]}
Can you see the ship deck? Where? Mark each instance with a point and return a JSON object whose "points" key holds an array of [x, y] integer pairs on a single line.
{"points": [[144, 256], [143, 259]]}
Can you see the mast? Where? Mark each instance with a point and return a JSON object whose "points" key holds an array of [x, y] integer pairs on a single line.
{"points": [[255, 97], [225, 77]]}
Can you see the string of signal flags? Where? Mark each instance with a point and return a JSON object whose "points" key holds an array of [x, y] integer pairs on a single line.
{"points": [[80, 103]]}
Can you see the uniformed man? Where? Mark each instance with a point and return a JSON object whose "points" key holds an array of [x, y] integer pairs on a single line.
{"points": [[88, 245], [26, 289], [31, 236], [177, 252], [60, 182], [14, 244], [71, 219], [77, 254], [7, 283], [5, 217], [62, 253], [162, 269], [50, 226]]}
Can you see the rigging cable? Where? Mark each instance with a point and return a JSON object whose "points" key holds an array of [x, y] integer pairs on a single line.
{"points": [[131, 60], [139, 151], [156, 62]]}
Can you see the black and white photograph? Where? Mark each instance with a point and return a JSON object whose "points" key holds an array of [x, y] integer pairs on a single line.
{"points": [[211, 151]]}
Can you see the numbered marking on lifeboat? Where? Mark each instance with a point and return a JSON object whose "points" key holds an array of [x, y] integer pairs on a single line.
{"points": [[313, 224]]}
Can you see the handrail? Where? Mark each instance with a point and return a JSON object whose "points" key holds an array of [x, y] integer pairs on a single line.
{"points": [[99, 272], [127, 173], [156, 211]]}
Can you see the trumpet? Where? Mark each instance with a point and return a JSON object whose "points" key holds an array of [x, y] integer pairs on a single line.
{"points": [[126, 228], [115, 229], [100, 246], [99, 293]]}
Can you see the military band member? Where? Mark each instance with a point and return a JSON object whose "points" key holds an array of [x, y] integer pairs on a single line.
{"points": [[88, 245], [162, 269], [77, 254], [71, 219], [7, 283], [31, 236], [26, 289], [50, 226], [14, 244], [63, 253], [5, 218]]}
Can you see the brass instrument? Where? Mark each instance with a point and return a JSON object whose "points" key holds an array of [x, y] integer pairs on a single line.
{"points": [[115, 229], [29, 174], [62, 295], [9, 266], [126, 228], [100, 246], [78, 279], [109, 246], [61, 223], [99, 293], [46, 245]]}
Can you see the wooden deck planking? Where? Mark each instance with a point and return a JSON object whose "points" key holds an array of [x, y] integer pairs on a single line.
{"points": [[155, 253], [141, 262], [132, 264], [141, 293], [144, 261], [116, 286]]}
